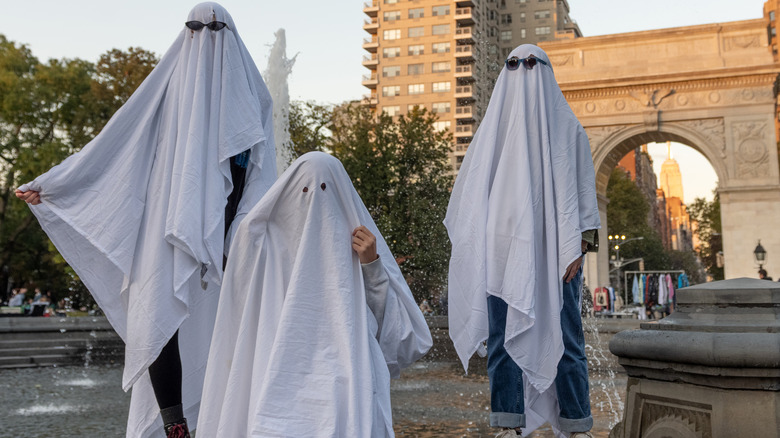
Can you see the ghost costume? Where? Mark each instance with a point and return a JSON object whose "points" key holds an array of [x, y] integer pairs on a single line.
{"points": [[524, 195], [139, 211], [299, 348]]}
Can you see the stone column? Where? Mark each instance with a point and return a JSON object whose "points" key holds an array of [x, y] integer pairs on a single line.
{"points": [[710, 370]]}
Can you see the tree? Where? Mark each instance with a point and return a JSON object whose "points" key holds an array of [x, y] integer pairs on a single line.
{"points": [[399, 167], [627, 214], [309, 122], [707, 216], [47, 112]]}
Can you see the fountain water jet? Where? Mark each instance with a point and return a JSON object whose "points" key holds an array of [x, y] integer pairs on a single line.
{"points": [[279, 68]]}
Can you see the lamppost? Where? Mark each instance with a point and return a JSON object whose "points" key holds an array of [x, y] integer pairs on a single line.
{"points": [[615, 240], [759, 254]]}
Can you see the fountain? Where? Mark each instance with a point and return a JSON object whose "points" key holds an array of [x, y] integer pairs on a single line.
{"points": [[279, 68], [710, 370]]}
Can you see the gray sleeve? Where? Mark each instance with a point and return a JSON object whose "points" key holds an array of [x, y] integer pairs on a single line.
{"points": [[377, 284]]}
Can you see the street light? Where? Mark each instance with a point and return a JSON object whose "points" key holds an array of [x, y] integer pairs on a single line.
{"points": [[620, 239], [760, 255]]}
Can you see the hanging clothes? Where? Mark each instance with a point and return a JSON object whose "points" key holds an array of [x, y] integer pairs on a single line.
{"points": [[670, 293], [662, 289], [611, 298], [635, 289], [682, 281]]}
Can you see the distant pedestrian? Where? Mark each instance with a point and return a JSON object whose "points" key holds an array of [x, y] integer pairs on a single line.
{"points": [[762, 274]]}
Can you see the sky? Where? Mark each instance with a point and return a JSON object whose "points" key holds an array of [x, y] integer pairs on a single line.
{"points": [[326, 35]]}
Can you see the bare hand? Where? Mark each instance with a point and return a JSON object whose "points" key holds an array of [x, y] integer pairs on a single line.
{"points": [[30, 196], [572, 270], [364, 244]]}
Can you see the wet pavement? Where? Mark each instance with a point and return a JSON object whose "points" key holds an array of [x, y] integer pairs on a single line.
{"points": [[436, 399], [433, 398]]}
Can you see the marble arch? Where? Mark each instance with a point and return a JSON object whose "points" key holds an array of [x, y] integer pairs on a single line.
{"points": [[711, 87]]}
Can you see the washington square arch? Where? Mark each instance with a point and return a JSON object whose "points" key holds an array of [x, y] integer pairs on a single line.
{"points": [[710, 87]]}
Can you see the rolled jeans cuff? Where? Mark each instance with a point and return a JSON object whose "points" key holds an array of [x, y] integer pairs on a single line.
{"points": [[569, 425], [508, 419]]}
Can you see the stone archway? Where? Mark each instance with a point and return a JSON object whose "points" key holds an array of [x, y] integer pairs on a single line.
{"points": [[710, 87]]}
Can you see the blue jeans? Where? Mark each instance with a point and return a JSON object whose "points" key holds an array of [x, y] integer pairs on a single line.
{"points": [[571, 382]]}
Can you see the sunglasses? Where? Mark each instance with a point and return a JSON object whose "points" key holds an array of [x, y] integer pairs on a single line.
{"points": [[529, 63], [197, 25]]}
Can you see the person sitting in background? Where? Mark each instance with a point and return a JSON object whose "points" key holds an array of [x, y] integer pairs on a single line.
{"points": [[17, 300], [762, 274]]}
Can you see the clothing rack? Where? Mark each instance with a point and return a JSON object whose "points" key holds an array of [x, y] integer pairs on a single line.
{"points": [[626, 274]]}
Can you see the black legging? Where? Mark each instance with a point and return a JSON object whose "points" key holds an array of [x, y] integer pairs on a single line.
{"points": [[165, 371]]}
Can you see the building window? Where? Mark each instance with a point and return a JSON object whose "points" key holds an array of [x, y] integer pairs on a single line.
{"points": [[541, 14], [520, 2], [391, 111], [389, 72], [522, 33], [442, 125], [416, 88], [493, 49], [392, 2], [440, 10], [416, 32], [506, 18], [392, 15], [411, 107], [506, 35], [506, 51], [440, 107], [522, 17], [544, 30], [392, 34], [393, 90], [417, 49], [417, 13], [771, 15], [415, 69], [502, 4], [440, 47], [441, 87], [441, 29], [440, 67], [391, 52]]}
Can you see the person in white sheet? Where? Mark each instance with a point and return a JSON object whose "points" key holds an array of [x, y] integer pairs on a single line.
{"points": [[314, 316], [144, 213], [522, 215]]}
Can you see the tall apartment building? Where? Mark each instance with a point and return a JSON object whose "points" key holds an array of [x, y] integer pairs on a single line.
{"points": [[445, 55]]}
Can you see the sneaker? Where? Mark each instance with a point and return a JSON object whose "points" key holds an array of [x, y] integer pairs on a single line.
{"points": [[581, 435], [509, 433], [177, 430]]}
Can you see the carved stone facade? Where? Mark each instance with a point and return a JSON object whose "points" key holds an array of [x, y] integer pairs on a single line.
{"points": [[714, 91], [707, 371]]}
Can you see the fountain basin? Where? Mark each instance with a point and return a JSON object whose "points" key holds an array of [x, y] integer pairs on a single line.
{"points": [[711, 369]]}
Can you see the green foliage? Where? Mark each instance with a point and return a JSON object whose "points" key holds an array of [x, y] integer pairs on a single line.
{"points": [[308, 126], [399, 168], [707, 215], [48, 112], [627, 213]]}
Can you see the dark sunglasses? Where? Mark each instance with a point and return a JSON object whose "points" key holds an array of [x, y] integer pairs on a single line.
{"points": [[197, 25], [529, 63]]}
